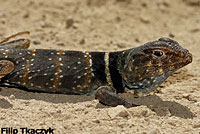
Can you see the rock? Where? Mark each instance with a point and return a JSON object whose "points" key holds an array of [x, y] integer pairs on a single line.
{"points": [[171, 35], [119, 111], [191, 97], [36, 42], [186, 96], [155, 131], [82, 41], [196, 125], [60, 44], [145, 20], [12, 97], [96, 121], [141, 111], [69, 23]]}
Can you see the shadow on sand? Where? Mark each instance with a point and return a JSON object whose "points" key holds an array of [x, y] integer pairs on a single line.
{"points": [[155, 103]]}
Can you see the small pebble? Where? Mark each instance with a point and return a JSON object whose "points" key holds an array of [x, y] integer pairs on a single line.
{"points": [[198, 103], [186, 96], [155, 131], [36, 42], [69, 23], [58, 111], [96, 121], [82, 41], [119, 111], [60, 44], [145, 113], [145, 20], [12, 97], [196, 125], [171, 35]]}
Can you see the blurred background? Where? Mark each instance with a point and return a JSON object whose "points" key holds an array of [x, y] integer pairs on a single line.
{"points": [[101, 25]]}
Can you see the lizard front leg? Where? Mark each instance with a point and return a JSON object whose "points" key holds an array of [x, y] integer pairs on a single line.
{"points": [[106, 96], [5, 67]]}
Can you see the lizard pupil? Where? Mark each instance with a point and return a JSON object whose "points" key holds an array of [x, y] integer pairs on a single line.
{"points": [[158, 53]]}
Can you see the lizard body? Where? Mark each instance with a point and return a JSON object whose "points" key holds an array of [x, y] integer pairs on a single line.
{"points": [[138, 70]]}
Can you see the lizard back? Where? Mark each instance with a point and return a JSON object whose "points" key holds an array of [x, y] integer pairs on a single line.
{"points": [[70, 72]]}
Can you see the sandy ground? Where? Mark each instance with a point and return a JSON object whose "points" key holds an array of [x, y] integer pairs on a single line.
{"points": [[102, 25]]}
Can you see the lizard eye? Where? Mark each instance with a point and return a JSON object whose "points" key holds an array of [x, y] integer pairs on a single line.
{"points": [[158, 53]]}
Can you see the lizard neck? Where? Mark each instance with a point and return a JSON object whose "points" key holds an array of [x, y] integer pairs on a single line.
{"points": [[116, 77], [105, 66]]}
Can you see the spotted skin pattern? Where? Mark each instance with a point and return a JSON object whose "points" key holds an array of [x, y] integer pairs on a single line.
{"points": [[138, 70], [50, 70]]}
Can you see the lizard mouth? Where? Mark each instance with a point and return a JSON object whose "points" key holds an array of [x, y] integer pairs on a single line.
{"points": [[183, 61], [187, 59]]}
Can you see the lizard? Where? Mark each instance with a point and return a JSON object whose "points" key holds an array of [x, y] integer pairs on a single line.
{"points": [[137, 70]]}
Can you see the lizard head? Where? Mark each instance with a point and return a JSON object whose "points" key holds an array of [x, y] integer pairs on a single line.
{"points": [[144, 68]]}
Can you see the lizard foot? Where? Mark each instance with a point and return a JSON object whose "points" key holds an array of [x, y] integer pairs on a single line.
{"points": [[106, 96]]}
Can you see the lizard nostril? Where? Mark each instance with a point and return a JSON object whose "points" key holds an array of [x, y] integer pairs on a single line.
{"points": [[182, 54]]}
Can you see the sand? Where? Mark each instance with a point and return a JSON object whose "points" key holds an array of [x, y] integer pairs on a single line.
{"points": [[102, 25]]}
